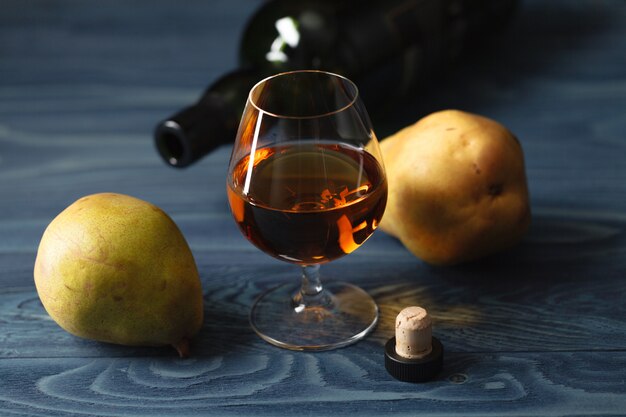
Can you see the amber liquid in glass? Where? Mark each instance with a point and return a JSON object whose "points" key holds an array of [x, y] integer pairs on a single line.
{"points": [[308, 203]]}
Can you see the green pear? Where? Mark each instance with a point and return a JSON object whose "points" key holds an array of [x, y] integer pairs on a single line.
{"points": [[117, 269]]}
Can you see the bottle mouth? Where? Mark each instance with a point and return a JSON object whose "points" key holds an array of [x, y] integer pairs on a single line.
{"points": [[303, 94], [172, 144]]}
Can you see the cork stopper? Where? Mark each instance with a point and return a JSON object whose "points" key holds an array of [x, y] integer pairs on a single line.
{"points": [[413, 355], [413, 333]]}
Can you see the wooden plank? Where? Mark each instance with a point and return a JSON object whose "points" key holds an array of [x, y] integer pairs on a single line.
{"points": [[337, 383], [520, 301]]}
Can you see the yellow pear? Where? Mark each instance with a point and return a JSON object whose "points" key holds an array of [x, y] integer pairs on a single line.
{"points": [[457, 187], [117, 269]]}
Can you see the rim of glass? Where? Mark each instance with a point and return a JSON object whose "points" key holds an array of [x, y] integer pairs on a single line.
{"points": [[282, 116]]}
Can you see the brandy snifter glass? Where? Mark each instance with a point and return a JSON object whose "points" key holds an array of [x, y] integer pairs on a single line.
{"points": [[306, 184]]}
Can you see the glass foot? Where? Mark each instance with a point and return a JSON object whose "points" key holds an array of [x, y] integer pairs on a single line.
{"points": [[338, 316]]}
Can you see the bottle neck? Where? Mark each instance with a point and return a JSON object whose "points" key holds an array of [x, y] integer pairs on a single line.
{"points": [[212, 121]]}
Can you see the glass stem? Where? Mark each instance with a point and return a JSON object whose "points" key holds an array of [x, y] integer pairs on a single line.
{"points": [[312, 293], [311, 284]]}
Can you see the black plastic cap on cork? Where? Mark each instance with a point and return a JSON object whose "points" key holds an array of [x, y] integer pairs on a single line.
{"points": [[414, 370]]}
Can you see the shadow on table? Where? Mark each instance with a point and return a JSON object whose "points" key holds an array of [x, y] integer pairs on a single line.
{"points": [[560, 289], [561, 246]]}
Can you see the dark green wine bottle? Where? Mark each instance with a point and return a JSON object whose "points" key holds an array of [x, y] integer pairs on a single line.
{"points": [[388, 47]]}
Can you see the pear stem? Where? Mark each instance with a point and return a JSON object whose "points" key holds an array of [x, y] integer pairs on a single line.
{"points": [[182, 347]]}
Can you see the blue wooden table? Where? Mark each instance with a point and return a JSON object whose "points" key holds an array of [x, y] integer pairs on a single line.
{"points": [[538, 330]]}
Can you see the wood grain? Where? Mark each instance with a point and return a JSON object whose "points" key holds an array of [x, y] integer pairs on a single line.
{"points": [[333, 382], [536, 330]]}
